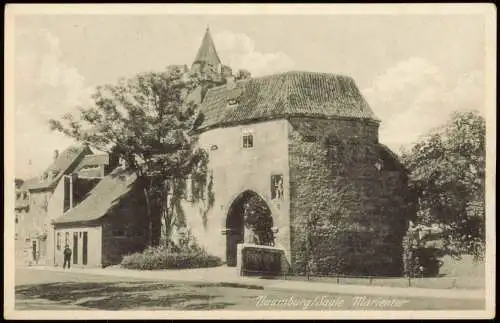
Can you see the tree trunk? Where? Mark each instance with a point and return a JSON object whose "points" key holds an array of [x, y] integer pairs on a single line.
{"points": [[148, 212], [167, 213]]}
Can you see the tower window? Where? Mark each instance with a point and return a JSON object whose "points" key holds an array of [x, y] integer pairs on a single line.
{"points": [[118, 233], [232, 102], [247, 140]]}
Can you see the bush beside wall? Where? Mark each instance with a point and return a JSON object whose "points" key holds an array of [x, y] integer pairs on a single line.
{"points": [[166, 258]]}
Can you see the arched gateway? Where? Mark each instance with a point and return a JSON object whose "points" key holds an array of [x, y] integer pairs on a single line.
{"points": [[248, 220]]}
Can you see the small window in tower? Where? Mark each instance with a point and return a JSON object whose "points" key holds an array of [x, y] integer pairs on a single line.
{"points": [[277, 187], [118, 233], [232, 102], [247, 140]]}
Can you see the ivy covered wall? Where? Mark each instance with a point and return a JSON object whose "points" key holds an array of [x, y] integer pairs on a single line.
{"points": [[348, 199]]}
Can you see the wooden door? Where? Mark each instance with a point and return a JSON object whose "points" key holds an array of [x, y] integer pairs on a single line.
{"points": [[75, 248], [84, 248]]}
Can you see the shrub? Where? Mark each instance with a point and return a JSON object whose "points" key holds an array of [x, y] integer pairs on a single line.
{"points": [[169, 258], [421, 260]]}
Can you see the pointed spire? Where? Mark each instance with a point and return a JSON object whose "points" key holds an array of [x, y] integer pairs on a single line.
{"points": [[207, 52]]}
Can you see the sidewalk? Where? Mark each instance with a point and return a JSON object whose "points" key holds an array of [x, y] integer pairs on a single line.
{"points": [[230, 275]]}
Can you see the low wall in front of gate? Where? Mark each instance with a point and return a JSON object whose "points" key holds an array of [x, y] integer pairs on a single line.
{"points": [[257, 260]]}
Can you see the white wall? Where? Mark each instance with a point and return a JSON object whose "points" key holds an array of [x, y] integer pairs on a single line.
{"points": [[55, 210], [236, 169], [94, 246]]}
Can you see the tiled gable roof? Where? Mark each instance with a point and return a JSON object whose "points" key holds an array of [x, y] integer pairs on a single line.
{"points": [[102, 198], [66, 160], [284, 95], [196, 96]]}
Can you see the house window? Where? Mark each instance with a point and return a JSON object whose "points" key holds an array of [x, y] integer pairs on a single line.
{"points": [[90, 167], [247, 140], [66, 239], [118, 233], [310, 138], [277, 187]]}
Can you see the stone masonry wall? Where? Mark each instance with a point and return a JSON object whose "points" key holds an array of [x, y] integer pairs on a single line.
{"points": [[347, 216]]}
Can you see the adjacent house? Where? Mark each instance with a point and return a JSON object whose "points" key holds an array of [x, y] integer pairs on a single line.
{"points": [[40, 200], [109, 223]]}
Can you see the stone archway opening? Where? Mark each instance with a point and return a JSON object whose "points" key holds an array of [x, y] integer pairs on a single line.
{"points": [[249, 220]]}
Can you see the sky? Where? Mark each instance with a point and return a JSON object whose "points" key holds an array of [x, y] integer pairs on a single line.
{"points": [[413, 70]]}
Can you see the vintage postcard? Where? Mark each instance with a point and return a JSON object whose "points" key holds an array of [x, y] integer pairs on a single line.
{"points": [[249, 161]]}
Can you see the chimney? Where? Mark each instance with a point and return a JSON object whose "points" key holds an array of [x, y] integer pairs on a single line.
{"points": [[56, 154]]}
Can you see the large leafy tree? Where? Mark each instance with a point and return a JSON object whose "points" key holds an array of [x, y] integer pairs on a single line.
{"points": [[147, 120], [448, 175]]}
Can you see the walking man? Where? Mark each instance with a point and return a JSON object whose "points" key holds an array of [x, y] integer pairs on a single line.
{"points": [[67, 257]]}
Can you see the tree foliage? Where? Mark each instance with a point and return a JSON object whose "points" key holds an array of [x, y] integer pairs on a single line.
{"points": [[258, 221], [243, 75], [448, 175], [147, 121]]}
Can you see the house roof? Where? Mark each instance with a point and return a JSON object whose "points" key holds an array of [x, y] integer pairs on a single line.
{"points": [[18, 182], [102, 198], [93, 160], [207, 52], [66, 160], [196, 96], [285, 95]]}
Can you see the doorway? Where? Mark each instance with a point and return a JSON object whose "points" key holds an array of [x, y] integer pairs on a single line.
{"points": [[84, 248], [34, 252], [75, 248], [235, 224]]}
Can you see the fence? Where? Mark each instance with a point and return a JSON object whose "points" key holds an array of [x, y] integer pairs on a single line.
{"points": [[417, 282]]}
